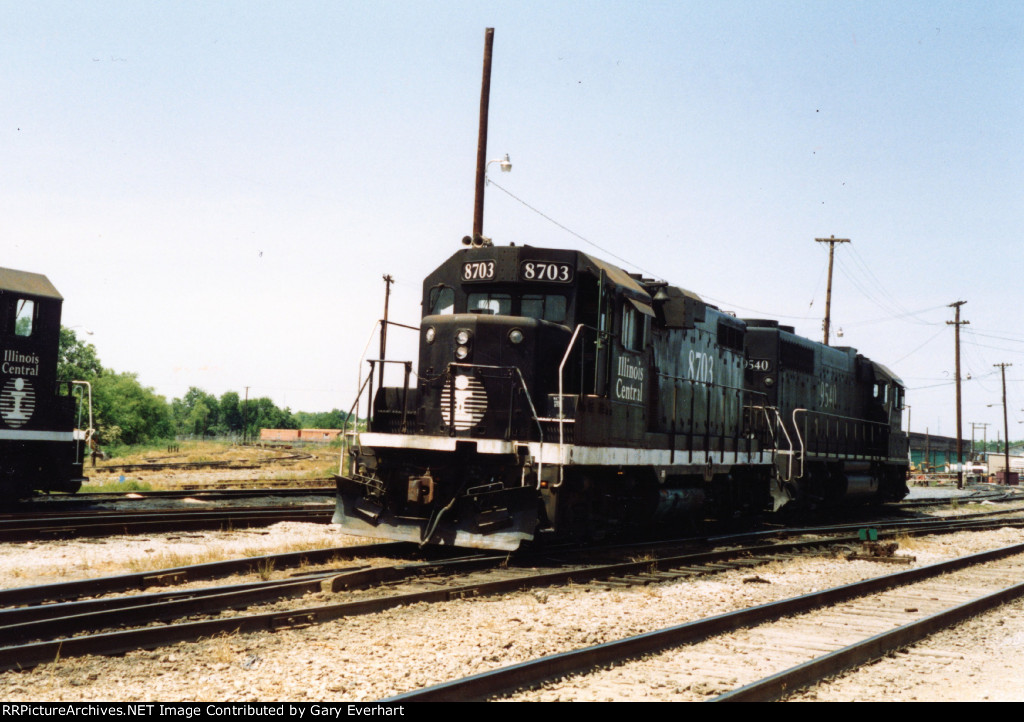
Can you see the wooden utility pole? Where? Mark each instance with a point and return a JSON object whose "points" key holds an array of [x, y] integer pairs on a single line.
{"points": [[831, 241], [481, 147], [1006, 427], [388, 280], [959, 444], [245, 418]]}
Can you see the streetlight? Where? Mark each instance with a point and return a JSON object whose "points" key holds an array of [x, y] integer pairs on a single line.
{"points": [[477, 239], [506, 164]]}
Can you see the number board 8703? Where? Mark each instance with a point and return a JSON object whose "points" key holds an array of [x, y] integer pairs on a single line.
{"points": [[546, 271]]}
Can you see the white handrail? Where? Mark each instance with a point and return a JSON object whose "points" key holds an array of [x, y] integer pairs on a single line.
{"points": [[561, 405]]}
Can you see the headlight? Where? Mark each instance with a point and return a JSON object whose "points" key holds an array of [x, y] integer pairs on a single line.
{"points": [[431, 333], [515, 336], [461, 352], [462, 337]]}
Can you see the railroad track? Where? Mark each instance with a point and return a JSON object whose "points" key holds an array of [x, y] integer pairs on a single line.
{"points": [[63, 525], [64, 627], [807, 638]]}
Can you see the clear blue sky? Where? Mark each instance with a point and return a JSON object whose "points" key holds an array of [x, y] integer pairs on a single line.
{"points": [[217, 188]]}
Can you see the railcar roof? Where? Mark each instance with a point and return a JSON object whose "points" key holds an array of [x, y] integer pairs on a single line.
{"points": [[32, 284]]}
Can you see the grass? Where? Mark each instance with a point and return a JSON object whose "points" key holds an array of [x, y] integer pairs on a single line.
{"points": [[322, 463], [112, 486], [264, 568]]}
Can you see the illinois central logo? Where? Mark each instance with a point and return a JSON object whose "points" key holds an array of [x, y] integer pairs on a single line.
{"points": [[17, 402], [468, 401]]}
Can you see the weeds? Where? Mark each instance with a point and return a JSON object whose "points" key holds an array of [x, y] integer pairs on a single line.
{"points": [[265, 569]]}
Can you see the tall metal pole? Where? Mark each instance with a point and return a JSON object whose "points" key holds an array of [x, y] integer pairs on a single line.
{"points": [[481, 146], [959, 443], [1006, 427], [831, 241], [388, 280]]}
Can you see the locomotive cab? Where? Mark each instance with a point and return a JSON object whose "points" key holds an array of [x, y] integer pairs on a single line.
{"points": [[40, 449]]}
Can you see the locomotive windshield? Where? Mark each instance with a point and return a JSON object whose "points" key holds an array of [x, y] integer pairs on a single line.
{"points": [[442, 301], [543, 306]]}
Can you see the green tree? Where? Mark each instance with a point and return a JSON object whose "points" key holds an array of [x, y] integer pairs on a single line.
{"points": [[197, 413], [333, 419], [262, 413], [76, 359], [127, 412], [231, 411]]}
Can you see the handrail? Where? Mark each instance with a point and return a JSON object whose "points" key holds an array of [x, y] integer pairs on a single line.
{"points": [[781, 425], [351, 415], [561, 403], [808, 412], [90, 431], [88, 386], [529, 400]]}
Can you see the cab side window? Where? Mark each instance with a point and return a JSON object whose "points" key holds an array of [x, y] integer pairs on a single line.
{"points": [[634, 326], [24, 317]]}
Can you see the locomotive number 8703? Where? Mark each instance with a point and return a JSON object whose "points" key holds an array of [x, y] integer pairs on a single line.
{"points": [[558, 393]]}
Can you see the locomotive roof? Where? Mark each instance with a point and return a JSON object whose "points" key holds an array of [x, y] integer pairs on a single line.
{"points": [[616, 275], [883, 371], [32, 284]]}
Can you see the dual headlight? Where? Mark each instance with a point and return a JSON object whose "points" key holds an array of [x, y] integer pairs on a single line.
{"points": [[463, 337]]}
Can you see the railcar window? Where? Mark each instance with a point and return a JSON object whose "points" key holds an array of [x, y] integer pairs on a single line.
{"points": [[498, 304], [24, 317], [442, 300], [633, 327], [730, 336], [546, 306]]}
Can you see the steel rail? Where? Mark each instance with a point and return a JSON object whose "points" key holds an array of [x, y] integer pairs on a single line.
{"points": [[27, 655], [867, 650], [116, 642], [201, 493], [62, 591], [22, 520], [51, 620], [513, 677], [160, 523]]}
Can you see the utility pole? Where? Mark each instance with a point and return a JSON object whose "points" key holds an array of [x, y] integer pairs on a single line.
{"points": [[388, 280], [1006, 426], [481, 147], [245, 418], [959, 443], [831, 241]]}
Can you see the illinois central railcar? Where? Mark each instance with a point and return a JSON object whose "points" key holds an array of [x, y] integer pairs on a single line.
{"points": [[555, 391], [40, 446]]}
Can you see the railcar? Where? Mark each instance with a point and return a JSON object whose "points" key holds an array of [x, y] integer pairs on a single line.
{"points": [[556, 392], [40, 446]]}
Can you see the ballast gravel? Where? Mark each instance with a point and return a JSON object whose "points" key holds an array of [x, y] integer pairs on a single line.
{"points": [[376, 656]]}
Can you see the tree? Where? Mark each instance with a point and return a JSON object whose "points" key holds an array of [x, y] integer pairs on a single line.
{"points": [[197, 413], [231, 411], [333, 419], [76, 359], [127, 412]]}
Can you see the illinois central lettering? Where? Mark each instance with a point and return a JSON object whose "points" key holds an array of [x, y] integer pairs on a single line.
{"points": [[629, 384]]}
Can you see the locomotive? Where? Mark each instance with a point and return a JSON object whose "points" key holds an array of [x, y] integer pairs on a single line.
{"points": [[40, 447], [557, 393]]}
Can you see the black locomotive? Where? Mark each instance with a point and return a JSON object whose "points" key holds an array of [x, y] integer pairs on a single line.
{"points": [[40, 447], [558, 392]]}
